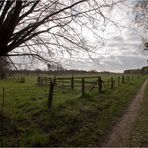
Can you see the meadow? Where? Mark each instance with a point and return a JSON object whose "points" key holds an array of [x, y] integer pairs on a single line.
{"points": [[72, 120]]}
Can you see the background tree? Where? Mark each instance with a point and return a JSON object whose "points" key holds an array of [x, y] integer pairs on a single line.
{"points": [[140, 13]]}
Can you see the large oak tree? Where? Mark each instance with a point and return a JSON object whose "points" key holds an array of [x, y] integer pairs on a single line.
{"points": [[38, 27]]}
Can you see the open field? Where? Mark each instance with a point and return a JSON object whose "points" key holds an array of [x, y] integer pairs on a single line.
{"points": [[72, 120]]}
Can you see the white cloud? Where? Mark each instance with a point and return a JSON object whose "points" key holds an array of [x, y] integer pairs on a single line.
{"points": [[109, 63]]}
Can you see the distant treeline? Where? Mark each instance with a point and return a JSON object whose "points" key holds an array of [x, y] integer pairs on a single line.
{"points": [[58, 72], [143, 70]]}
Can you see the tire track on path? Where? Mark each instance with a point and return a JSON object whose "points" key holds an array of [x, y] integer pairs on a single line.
{"points": [[119, 135]]}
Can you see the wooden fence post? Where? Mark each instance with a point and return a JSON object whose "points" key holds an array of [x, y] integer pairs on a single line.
{"points": [[118, 81], [123, 79], [100, 84], [54, 80], [83, 87], [3, 101], [112, 83], [72, 82], [50, 96]]}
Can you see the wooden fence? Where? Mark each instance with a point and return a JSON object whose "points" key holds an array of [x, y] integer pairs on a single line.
{"points": [[76, 82], [85, 84], [17, 79]]}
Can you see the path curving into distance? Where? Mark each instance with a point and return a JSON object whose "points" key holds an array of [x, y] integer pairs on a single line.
{"points": [[119, 135]]}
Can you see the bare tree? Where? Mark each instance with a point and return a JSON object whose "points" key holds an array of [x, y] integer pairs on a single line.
{"points": [[140, 12], [39, 27]]}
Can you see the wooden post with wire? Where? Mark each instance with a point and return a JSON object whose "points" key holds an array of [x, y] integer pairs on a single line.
{"points": [[123, 79], [112, 83], [100, 84], [83, 88], [119, 81], [50, 96], [72, 82], [3, 97]]}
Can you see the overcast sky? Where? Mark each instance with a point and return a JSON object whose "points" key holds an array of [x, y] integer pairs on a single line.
{"points": [[122, 48]]}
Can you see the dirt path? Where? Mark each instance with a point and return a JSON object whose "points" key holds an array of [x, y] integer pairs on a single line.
{"points": [[119, 135]]}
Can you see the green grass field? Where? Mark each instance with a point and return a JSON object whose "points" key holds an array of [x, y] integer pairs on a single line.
{"points": [[72, 120]]}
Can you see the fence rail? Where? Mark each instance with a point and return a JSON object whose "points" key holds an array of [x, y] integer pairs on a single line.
{"points": [[17, 79]]}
